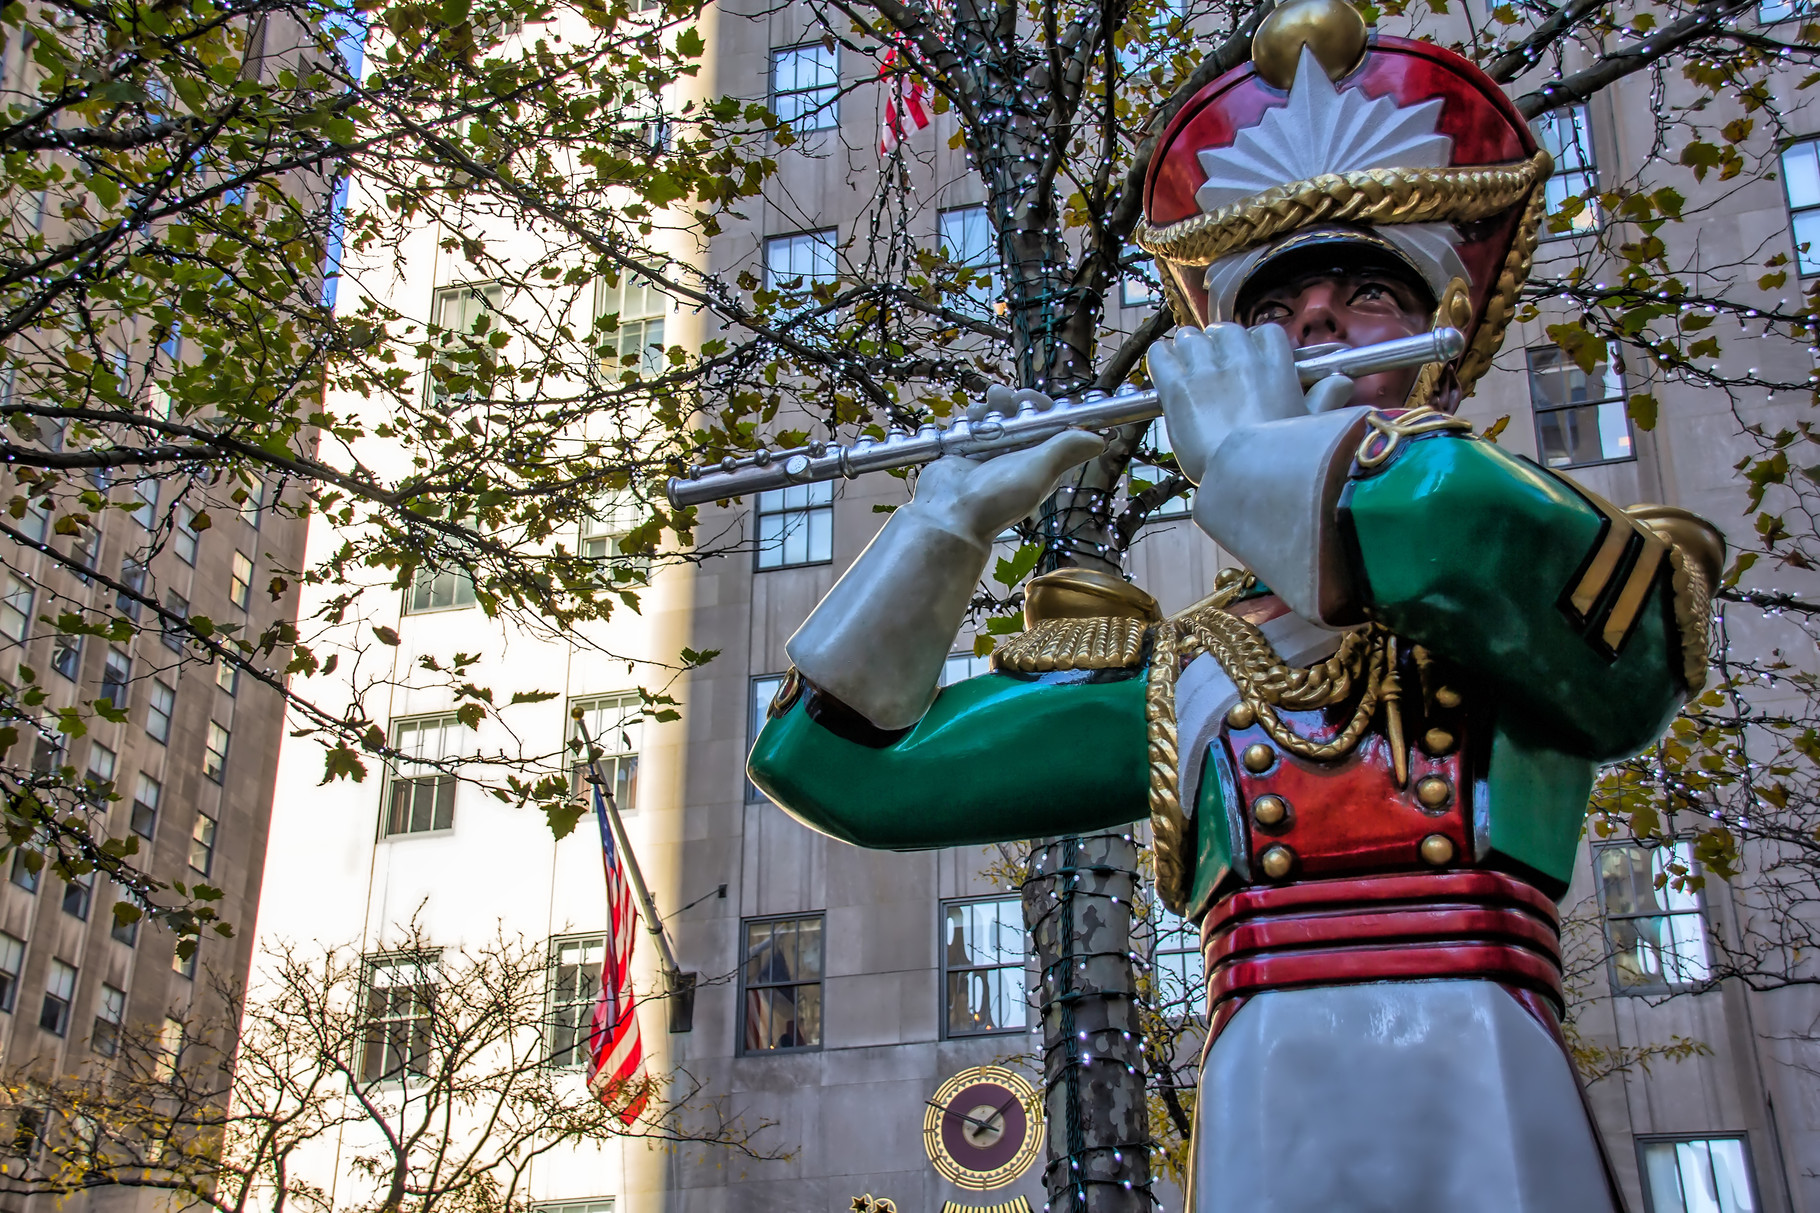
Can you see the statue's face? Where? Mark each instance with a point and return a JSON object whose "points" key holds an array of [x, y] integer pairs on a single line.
{"points": [[1353, 310]]}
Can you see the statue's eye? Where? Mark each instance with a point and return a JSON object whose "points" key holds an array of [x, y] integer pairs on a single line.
{"points": [[1269, 313], [1373, 292]]}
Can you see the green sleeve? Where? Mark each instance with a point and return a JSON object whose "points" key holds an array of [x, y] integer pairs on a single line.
{"points": [[1556, 601], [995, 758]]}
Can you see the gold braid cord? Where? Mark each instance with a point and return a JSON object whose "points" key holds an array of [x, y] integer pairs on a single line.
{"points": [[1265, 684], [1379, 195], [1110, 642], [1502, 304]]}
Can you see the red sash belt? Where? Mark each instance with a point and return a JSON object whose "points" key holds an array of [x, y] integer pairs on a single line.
{"points": [[1381, 928]]}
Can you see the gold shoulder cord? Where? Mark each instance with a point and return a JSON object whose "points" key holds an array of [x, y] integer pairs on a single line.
{"points": [[1266, 684]]}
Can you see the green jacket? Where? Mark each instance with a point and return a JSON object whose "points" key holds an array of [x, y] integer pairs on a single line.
{"points": [[1561, 611]]}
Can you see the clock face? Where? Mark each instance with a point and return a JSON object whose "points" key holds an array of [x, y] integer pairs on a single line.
{"points": [[983, 1128]]}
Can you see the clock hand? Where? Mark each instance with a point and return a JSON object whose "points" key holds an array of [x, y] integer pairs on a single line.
{"points": [[978, 1124]]}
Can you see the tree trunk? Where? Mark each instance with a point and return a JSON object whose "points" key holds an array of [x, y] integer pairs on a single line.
{"points": [[1077, 905]]}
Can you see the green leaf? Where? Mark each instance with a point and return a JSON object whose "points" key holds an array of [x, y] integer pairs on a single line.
{"points": [[386, 635], [1643, 410], [563, 815]]}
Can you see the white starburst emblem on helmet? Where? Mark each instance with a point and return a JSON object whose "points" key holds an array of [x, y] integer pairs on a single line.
{"points": [[1321, 130]]}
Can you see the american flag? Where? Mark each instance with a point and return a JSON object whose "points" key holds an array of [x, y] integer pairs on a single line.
{"points": [[616, 1054], [903, 105]]}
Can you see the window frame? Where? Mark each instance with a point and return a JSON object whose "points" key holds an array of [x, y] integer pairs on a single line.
{"points": [[626, 743], [67, 1002], [823, 237], [742, 1029], [205, 837], [579, 1047], [756, 715], [110, 1018], [1793, 211], [611, 519], [765, 504], [978, 299], [419, 581], [10, 978], [150, 807], [160, 704], [240, 581], [393, 776], [118, 662], [1536, 409], [62, 643], [1643, 1141], [441, 338], [611, 301], [15, 589], [1022, 967], [214, 761], [1663, 986], [429, 961], [822, 115], [1579, 115], [79, 896], [1129, 280]]}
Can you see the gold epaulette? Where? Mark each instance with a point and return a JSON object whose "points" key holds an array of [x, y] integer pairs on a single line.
{"points": [[1107, 643], [1696, 557], [1075, 619]]}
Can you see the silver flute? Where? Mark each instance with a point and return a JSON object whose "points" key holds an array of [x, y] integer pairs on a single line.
{"points": [[1028, 426]]}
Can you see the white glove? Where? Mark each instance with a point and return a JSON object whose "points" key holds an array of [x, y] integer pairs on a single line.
{"points": [[979, 496], [1216, 380], [877, 642]]}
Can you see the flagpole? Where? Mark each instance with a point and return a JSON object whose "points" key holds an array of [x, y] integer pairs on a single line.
{"points": [[653, 924]]}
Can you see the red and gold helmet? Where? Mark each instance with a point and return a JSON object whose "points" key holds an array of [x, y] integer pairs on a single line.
{"points": [[1333, 135]]}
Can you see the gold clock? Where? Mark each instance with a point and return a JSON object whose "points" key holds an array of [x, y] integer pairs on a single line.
{"points": [[984, 1128]]}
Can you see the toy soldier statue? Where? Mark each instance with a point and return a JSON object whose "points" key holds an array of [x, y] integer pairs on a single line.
{"points": [[1365, 761]]}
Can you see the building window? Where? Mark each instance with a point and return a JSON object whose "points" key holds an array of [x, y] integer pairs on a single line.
{"points": [[101, 764], [240, 581], [602, 1204], [84, 551], [126, 932], [435, 590], [1137, 281], [616, 724], [159, 706], [12, 962], [1175, 965], [28, 1134], [252, 502], [185, 536], [28, 868], [636, 342], [574, 989], [782, 982], [147, 493], [170, 1048], [1656, 935], [170, 626], [145, 806], [399, 1018], [763, 691], [961, 666], [1581, 419], [116, 672], [796, 526], [215, 750], [66, 655], [59, 993], [77, 894], [966, 239], [1572, 211], [109, 1015], [794, 264], [460, 317], [1801, 180], [421, 798], [805, 87], [130, 597], [202, 844], [1769, 12], [227, 675], [602, 533], [184, 966], [1697, 1175], [1146, 475], [15, 608], [983, 967]]}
